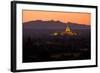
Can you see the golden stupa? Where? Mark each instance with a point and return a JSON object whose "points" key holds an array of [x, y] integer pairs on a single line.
{"points": [[67, 32]]}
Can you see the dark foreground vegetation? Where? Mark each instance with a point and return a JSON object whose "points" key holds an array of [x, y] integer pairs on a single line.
{"points": [[56, 48]]}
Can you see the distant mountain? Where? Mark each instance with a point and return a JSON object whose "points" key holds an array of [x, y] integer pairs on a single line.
{"points": [[41, 28]]}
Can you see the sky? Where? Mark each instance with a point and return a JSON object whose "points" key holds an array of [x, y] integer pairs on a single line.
{"points": [[75, 17]]}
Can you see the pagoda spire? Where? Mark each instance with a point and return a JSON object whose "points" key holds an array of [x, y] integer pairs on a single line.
{"points": [[67, 29]]}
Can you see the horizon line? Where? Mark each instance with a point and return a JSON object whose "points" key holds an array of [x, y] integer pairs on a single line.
{"points": [[58, 21]]}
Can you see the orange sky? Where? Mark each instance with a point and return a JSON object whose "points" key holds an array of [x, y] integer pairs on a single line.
{"points": [[81, 18]]}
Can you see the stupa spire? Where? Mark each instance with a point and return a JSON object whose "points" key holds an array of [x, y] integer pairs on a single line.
{"points": [[67, 29]]}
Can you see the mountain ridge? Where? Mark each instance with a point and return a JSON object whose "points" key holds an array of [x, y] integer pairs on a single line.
{"points": [[38, 28], [55, 22]]}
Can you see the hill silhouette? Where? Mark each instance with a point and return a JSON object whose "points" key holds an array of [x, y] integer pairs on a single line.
{"points": [[39, 28]]}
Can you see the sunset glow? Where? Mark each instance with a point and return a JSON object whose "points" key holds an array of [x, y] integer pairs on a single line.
{"points": [[81, 18]]}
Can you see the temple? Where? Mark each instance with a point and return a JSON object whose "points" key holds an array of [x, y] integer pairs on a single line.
{"points": [[67, 32]]}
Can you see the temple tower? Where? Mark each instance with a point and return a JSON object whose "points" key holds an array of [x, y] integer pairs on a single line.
{"points": [[67, 29]]}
